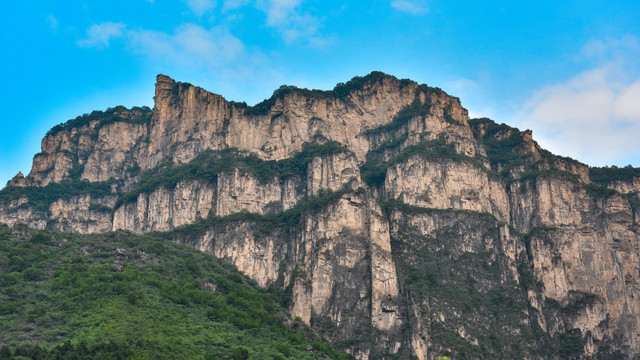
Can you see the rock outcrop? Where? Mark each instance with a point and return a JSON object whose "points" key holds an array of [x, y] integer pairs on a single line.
{"points": [[397, 226]]}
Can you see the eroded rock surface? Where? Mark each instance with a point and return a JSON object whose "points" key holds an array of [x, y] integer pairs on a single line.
{"points": [[397, 225]]}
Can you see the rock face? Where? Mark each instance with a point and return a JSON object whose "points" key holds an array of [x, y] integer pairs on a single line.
{"points": [[397, 226], [447, 184]]}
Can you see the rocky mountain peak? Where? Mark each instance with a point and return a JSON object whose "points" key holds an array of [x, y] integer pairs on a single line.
{"points": [[397, 225]]}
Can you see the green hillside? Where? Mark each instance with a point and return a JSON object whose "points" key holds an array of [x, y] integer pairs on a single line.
{"points": [[125, 296]]}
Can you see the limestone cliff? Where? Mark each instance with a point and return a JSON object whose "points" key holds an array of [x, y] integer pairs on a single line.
{"points": [[397, 225]]}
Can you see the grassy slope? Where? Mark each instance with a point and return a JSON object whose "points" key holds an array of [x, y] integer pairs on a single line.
{"points": [[65, 295]]}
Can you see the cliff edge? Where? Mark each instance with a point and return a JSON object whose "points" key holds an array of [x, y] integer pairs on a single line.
{"points": [[398, 226]]}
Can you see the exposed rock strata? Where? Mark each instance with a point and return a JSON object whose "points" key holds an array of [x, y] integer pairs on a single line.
{"points": [[447, 184], [426, 234]]}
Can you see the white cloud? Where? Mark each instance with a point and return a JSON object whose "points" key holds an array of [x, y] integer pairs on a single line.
{"points": [[234, 4], [610, 48], [286, 17], [99, 34], [200, 7], [190, 44], [594, 116], [53, 22], [280, 11], [627, 104], [414, 7], [461, 85]]}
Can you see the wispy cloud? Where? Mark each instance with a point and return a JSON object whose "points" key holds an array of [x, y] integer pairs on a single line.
{"points": [[53, 22], [279, 11], [595, 115], [462, 84], [234, 4], [189, 44], [99, 35], [611, 49], [200, 7], [413, 7], [287, 18]]}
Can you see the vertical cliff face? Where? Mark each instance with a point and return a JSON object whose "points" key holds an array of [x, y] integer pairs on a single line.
{"points": [[588, 239], [337, 263], [447, 184], [94, 147], [463, 274], [188, 120], [397, 226]]}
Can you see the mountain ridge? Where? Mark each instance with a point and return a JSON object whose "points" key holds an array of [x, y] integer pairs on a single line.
{"points": [[357, 200]]}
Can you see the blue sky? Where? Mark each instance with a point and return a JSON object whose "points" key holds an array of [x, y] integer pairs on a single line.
{"points": [[568, 71]]}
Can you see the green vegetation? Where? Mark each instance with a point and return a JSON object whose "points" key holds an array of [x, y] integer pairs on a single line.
{"points": [[373, 171], [504, 146], [340, 91], [415, 109], [507, 151], [531, 176], [106, 117], [578, 302], [606, 175], [205, 167], [391, 204], [443, 278], [469, 283], [40, 198], [76, 171], [100, 208], [501, 153], [491, 127], [209, 164], [394, 145], [538, 231], [599, 191], [287, 221], [570, 344], [124, 296], [634, 200]]}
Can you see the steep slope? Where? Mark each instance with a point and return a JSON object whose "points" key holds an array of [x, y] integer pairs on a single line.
{"points": [[125, 296], [399, 226]]}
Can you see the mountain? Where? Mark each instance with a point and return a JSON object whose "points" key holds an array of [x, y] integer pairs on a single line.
{"points": [[399, 226]]}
